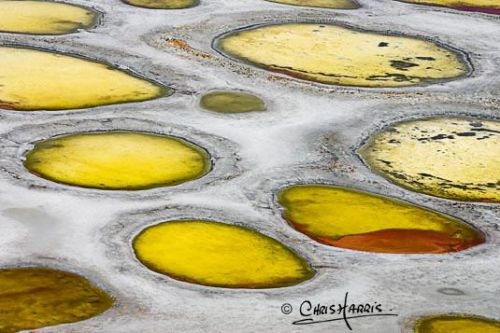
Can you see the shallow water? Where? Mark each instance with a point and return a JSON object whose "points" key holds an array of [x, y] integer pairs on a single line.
{"points": [[33, 79], [219, 255], [334, 4], [458, 324], [163, 4], [453, 158], [483, 6], [118, 160], [332, 54], [32, 298], [362, 221], [44, 17], [232, 102]]}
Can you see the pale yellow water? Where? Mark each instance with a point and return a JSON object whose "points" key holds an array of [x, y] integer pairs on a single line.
{"points": [[335, 4], [453, 158], [118, 160], [333, 54], [457, 324], [32, 298], [44, 17], [219, 255], [163, 4], [363, 221], [33, 80]]}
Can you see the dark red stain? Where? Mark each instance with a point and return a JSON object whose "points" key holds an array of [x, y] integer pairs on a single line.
{"points": [[404, 241], [487, 10], [291, 73], [6, 105], [477, 9]]}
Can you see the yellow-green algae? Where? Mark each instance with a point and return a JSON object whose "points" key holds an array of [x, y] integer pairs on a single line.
{"points": [[219, 255], [333, 4], [457, 324], [44, 17], [448, 157], [232, 102], [118, 160], [32, 79], [363, 221], [333, 54], [32, 298], [163, 4]]}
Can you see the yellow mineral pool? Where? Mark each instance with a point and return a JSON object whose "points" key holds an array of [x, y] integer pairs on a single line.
{"points": [[32, 298], [333, 54], [483, 6], [219, 255], [118, 160], [457, 324], [448, 157], [333, 4], [44, 17], [32, 79], [362, 221], [163, 4]]}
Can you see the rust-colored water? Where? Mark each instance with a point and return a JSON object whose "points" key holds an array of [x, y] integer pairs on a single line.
{"points": [[402, 241]]}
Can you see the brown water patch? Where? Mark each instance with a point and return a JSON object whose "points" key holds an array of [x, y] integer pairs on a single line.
{"points": [[32, 298]]}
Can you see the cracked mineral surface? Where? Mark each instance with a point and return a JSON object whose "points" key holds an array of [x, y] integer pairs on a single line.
{"points": [[454, 158]]}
